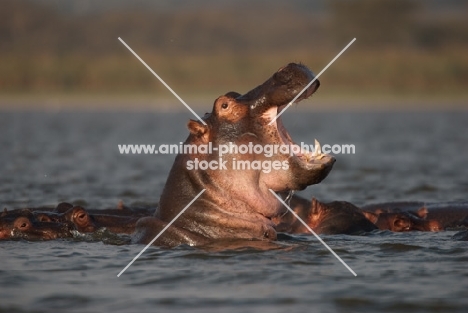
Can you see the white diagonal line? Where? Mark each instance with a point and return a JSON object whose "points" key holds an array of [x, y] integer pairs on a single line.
{"points": [[162, 231], [313, 233], [312, 81], [163, 82]]}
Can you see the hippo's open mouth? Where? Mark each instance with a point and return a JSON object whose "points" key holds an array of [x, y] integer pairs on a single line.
{"points": [[306, 166], [273, 96], [306, 156]]}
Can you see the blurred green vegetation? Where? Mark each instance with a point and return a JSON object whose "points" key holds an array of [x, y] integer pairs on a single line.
{"points": [[403, 47]]}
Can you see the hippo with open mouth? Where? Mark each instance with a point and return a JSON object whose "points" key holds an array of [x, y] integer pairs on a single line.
{"points": [[237, 202]]}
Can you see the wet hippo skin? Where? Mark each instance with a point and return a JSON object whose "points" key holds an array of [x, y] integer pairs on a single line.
{"points": [[88, 223], [22, 224], [337, 217], [238, 203], [442, 215], [46, 224], [402, 221], [449, 215], [120, 210]]}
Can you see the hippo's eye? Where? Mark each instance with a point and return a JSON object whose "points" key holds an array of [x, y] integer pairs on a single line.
{"points": [[224, 105], [22, 223]]}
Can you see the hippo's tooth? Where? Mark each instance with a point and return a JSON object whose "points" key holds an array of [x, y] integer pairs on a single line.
{"points": [[318, 148], [318, 151]]}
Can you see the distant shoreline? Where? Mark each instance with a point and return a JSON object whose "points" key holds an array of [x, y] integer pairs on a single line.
{"points": [[150, 103]]}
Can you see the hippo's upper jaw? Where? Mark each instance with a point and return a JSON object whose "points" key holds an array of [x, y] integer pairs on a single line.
{"points": [[281, 88]]}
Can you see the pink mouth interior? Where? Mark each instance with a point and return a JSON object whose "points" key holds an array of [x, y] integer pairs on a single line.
{"points": [[306, 156]]}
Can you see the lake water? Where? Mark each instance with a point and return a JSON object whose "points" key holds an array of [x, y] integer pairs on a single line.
{"points": [[69, 156]]}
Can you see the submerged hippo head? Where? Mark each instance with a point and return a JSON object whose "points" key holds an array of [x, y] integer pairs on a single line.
{"points": [[338, 217], [81, 220], [23, 224], [245, 162], [402, 221], [76, 216]]}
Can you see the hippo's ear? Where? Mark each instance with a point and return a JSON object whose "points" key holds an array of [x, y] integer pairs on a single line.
{"points": [[379, 211], [422, 212], [372, 217], [315, 206], [401, 224], [313, 217], [196, 128]]}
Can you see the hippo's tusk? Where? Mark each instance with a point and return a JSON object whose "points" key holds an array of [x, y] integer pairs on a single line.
{"points": [[317, 153], [318, 148]]}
